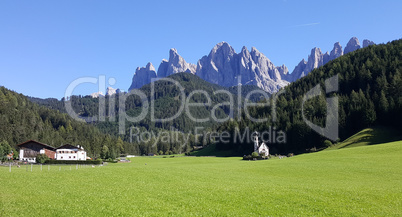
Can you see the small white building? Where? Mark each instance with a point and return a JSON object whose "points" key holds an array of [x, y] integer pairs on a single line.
{"points": [[70, 152], [262, 148]]}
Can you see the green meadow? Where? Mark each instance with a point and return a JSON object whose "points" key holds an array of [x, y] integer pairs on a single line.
{"points": [[360, 181]]}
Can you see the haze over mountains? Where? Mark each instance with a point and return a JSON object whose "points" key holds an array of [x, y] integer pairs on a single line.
{"points": [[225, 67]]}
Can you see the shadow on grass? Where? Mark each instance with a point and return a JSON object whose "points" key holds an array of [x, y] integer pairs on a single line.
{"points": [[372, 136]]}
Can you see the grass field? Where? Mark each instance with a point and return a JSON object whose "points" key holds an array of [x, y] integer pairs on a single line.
{"points": [[361, 181]]}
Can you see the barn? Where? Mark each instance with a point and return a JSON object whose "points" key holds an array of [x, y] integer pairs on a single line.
{"points": [[30, 149]]}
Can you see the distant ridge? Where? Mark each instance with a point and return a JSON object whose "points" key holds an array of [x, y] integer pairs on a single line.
{"points": [[223, 66]]}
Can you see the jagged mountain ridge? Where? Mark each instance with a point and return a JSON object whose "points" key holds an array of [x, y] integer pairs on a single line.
{"points": [[225, 67], [317, 58]]}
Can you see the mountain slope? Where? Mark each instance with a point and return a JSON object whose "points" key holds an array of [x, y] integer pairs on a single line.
{"points": [[370, 93], [166, 104]]}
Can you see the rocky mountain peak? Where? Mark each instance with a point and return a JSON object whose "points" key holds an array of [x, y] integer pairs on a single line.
{"points": [[142, 76], [244, 52], [254, 50], [223, 66], [150, 67], [336, 51], [352, 45], [222, 48], [244, 49], [283, 69], [175, 64], [173, 55], [367, 43], [315, 59]]}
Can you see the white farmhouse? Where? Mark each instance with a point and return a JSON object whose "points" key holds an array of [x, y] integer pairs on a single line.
{"points": [[70, 152]]}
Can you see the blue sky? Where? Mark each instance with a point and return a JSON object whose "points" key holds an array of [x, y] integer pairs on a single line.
{"points": [[45, 45]]}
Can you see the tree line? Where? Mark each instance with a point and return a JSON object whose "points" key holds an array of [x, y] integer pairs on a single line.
{"points": [[22, 120]]}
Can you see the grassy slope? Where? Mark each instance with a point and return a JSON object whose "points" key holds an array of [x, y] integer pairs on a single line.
{"points": [[369, 136], [211, 151], [361, 181]]}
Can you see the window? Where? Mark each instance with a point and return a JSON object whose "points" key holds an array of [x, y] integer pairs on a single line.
{"points": [[69, 157], [61, 157], [74, 157]]}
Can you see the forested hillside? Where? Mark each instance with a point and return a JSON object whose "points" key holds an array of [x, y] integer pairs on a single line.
{"points": [[167, 103], [22, 120], [370, 93], [48, 122]]}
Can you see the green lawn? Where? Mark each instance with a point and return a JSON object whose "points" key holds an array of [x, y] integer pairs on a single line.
{"points": [[361, 181], [211, 151]]}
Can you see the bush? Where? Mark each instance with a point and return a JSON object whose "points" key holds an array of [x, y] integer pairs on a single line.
{"points": [[41, 158], [111, 161], [327, 143], [248, 157], [255, 155]]}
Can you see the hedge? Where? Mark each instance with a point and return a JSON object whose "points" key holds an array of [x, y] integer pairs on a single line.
{"points": [[96, 162]]}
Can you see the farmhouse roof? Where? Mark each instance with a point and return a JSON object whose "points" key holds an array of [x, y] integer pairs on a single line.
{"points": [[68, 146], [39, 143]]}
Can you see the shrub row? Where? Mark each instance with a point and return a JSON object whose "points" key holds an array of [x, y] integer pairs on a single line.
{"points": [[96, 162], [111, 161]]}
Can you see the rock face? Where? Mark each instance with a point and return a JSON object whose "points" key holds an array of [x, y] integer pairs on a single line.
{"points": [[223, 66], [367, 43], [352, 45], [317, 59], [143, 76], [336, 51], [216, 67], [284, 72], [175, 64]]}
